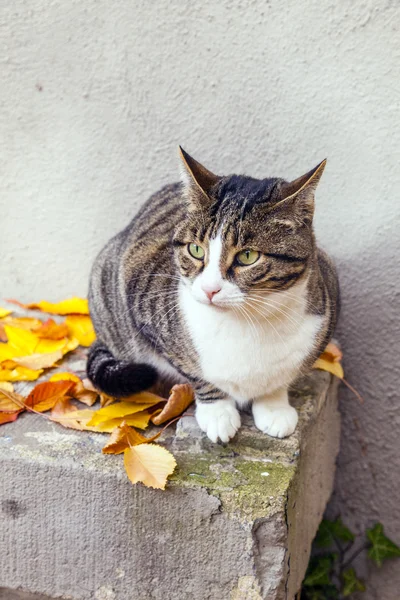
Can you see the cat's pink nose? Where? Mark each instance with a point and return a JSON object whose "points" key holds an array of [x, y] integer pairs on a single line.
{"points": [[211, 293]]}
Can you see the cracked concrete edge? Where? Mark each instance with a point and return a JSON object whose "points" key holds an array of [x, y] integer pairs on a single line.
{"points": [[309, 494]]}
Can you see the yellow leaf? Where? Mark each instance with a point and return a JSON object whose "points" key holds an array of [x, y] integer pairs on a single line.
{"points": [[150, 464], [19, 374], [145, 398], [81, 328], [39, 361], [22, 322], [70, 306], [117, 410], [5, 385], [4, 312], [10, 401], [332, 367], [21, 342], [182, 395], [66, 414], [139, 420], [65, 377]]}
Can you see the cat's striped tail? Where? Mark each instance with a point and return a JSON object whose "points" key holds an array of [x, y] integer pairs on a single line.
{"points": [[117, 377]]}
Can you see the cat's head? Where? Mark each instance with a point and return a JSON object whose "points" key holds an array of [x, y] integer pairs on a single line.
{"points": [[244, 235]]}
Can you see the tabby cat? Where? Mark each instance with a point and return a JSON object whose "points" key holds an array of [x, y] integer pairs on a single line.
{"points": [[217, 281]]}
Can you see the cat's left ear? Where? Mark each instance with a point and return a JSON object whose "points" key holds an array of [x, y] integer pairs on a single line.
{"points": [[301, 192], [197, 179]]}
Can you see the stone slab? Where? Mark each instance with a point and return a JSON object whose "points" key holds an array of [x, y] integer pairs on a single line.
{"points": [[235, 522]]}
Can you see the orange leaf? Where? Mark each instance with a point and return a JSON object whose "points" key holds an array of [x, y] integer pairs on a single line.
{"points": [[81, 328], [45, 395], [181, 397], [10, 401], [150, 464], [39, 361], [123, 437], [332, 352], [70, 306], [8, 417], [52, 330]]}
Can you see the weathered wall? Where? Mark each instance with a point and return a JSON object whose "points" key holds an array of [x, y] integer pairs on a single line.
{"points": [[94, 98]]}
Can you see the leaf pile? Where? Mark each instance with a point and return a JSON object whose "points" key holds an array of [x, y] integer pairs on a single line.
{"points": [[31, 345]]}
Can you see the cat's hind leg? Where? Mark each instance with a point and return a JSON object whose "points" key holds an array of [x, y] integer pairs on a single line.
{"points": [[274, 415], [116, 377]]}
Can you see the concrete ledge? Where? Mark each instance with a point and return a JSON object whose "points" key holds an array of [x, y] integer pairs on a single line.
{"points": [[236, 521]]}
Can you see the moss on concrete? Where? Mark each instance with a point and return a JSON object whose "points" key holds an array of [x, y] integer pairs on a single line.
{"points": [[248, 489]]}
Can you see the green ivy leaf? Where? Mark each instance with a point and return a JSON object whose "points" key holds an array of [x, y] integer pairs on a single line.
{"points": [[329, 530], [351, 583], [319, 572], [327, 592], [381, 546]]}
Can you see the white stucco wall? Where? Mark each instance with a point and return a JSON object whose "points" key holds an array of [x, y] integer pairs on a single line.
{"points": [[96, 95]]}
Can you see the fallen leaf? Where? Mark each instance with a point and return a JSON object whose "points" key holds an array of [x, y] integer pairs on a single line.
{"points": [[7, 386], [45, 395], [51, 330], [139, 420], [123, 437], [65, 413], [19, 374], [118, 410], [39, 361], [84, 395], [144, 398], [28, 323], [10, 401], [66, 376], [150, 464], [332, 367], [70, 306], [106, 400], [181, 397], [332, 352], [81, 328], [4, 312], [8, 417], [79, 391], [21, 342]]}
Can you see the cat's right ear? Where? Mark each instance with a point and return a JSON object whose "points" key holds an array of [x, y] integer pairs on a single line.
{"points": [[198, 180]]}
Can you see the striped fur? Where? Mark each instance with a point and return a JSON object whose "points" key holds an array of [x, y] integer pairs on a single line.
{"points": [[140, 280]]}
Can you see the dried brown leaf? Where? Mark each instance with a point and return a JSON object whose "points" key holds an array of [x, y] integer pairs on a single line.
{"points": [[182, 395]]}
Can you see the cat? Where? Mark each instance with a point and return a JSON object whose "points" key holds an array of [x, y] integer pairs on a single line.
{"points": [[218, 282]]}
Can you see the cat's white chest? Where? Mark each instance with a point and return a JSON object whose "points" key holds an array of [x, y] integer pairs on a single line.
{"points": [[247, 361]]}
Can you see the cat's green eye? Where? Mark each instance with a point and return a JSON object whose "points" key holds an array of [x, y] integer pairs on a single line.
{"points": [[196, 251], [247, 257]]}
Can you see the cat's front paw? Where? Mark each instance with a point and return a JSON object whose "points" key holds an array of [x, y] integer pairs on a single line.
{"points": [[219, 420], [279, 421]]}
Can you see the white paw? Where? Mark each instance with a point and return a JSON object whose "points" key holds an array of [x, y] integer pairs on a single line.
{"points": [[219, 420], [279, 421]]}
